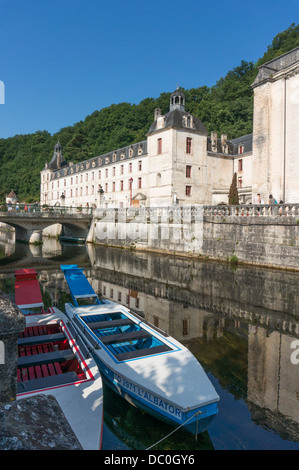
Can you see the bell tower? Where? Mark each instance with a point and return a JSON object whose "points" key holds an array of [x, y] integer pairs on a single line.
{"points": [[177, 100]]}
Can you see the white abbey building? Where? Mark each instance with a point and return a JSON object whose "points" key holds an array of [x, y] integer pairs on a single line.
{"points": [[180, 163]]}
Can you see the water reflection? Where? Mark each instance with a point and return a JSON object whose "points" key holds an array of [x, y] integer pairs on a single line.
{"points": [[239, 323], [139, 431]]}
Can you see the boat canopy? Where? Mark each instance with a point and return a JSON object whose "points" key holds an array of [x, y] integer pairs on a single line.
{"points": [[78, 285], [27, 289]]}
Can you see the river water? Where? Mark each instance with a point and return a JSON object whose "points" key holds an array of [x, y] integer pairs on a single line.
{"points": [[241, 323]]}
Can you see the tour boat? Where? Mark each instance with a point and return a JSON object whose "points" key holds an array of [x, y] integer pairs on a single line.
{"points": [[53, 360], [140, 362]]}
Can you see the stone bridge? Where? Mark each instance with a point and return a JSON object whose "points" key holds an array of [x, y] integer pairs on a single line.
{"points": [[30, 225]]}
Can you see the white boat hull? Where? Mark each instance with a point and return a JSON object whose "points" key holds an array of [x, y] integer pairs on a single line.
{"points": [[170, 385]]}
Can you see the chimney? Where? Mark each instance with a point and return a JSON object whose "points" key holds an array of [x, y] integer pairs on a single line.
{"points": [[157, 113], [214, 141], [224, 145]]}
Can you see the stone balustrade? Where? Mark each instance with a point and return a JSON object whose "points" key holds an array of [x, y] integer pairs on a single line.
{"points": [[252, 210], [187, 213], [165, 213]]}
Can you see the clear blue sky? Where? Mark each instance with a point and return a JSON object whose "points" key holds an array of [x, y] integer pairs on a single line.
{"points": [[63, 59]]}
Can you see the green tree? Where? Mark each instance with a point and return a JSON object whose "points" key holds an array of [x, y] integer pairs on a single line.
{"points": [[233, 195]]}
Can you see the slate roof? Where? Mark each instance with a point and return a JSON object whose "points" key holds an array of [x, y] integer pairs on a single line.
{"points": [[245, 140], [137, 150], [174, 118], [266, 70], [12, 194], [233, 145], [53, 165]]}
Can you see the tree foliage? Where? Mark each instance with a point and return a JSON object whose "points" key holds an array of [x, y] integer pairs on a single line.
{"points": [[233, 196], [226, 107]]}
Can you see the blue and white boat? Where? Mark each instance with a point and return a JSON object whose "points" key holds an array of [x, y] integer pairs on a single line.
{"points": [[144, 365]]}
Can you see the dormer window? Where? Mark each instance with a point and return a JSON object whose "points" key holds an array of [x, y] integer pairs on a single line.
{"points": [[188, 121], [241, 149], [160, 122]]}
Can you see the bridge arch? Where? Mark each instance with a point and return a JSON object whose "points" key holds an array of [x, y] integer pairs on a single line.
{"points": [[29, 227]]}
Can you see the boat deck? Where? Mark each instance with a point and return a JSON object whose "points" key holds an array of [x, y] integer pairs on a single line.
{"points": [[27, 290], [45, 359], [123, 337], [79, 286]]}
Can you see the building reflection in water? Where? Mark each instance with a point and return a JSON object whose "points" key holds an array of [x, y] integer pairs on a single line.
{"points": [[273, 381]]}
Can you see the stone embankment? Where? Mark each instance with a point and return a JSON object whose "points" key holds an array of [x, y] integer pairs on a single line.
{"points": [[262, 235]]}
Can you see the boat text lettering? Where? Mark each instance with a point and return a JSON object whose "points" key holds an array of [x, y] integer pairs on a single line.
{"points": [[148, 397]]}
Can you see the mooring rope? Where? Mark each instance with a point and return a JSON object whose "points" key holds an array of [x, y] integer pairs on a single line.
{"points": [[176, 429]]}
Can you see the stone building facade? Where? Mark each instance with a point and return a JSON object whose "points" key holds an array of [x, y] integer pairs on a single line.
{"points": [[179, 163], [275, 165]]}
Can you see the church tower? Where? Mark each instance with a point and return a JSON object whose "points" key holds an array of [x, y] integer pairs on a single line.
{"points": [[57, 162]]}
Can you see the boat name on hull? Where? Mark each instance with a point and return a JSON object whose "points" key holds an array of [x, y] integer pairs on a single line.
{"points": [[148, 397]]}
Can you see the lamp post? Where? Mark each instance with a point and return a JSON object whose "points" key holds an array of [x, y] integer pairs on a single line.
{"points": [[131, 183], [101, 192], [62, 197]]}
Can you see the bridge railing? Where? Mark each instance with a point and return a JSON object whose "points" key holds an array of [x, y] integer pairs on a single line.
{"points": [[30, 208], [242, 210]]}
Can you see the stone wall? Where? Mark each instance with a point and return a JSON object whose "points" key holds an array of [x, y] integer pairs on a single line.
{"points": [[264, 235], [12, 322], [255, 240], [275, 137]]}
